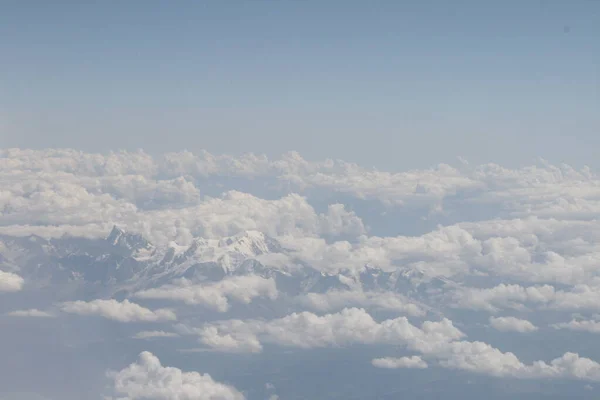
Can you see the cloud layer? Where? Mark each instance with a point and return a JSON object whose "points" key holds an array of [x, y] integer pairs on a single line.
{"points": [[436, 246]]}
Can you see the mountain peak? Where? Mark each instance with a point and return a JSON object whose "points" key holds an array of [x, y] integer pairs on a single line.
{"points": [[129, 242], [115, 234]]}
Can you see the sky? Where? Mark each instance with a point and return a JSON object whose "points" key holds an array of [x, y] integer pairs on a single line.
{"points": [[390, 84]]}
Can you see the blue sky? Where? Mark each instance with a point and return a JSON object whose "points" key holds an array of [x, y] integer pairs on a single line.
{"points": [[391, 84]]}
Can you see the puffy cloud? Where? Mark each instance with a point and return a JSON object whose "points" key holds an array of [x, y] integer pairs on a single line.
{"points": [[336, 299], [445, 251], [580, 297], [402, 362], [52, 192], [216, 295], [482, 358], [541, 189], [531, 250], [340, 221], [512, 324], [10, 282], [33, 313], [569, 365], [72, 209], [592, 326], [154, 334], [149, 379], [124, 311], [438, 341], [503, 296], [308, 330]]}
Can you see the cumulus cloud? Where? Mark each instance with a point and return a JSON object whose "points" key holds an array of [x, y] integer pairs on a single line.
{"points": [[33, 313], [534, 227], [337, 299], [124, 311], [483, 358], [442, 252], [58, 192], [149, 379], [52, 192], [242, 289], [308, 330], [592, 326], [543, 189], [10, 282], [402, 362], [579, 297], [154, 334], [512, 324], [439, 341], [74, 210]]}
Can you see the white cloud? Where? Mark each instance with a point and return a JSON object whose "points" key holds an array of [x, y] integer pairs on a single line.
{"points": [[148, 379], [445, 251], [52, 192], [534, 226], [482, 358], [62, 208], [154, 334], [543, 189], [436, 340], [579, 297], [336, 299], [124, 311], [10, 282], [512, 324], [592, 326], [402, 362], [308, 330], [33, 313], [242, 289]]}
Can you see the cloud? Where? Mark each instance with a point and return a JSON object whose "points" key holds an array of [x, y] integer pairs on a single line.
{"points": [[402, 362], [337, 299], [308, 330], [10, 282], [512, 324], [242, 289], [33, 313], [57, 191], [439, 341], [591, 326], [444, 251], [148, 379], [544, 190], [62, 208], [483, 358], [124, 311], [579, 297], [154, 334], [509, 239]]}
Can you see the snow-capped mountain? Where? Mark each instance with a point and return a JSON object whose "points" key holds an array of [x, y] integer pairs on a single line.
{"points": [[126, 262]]}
